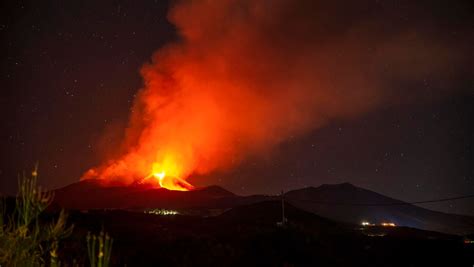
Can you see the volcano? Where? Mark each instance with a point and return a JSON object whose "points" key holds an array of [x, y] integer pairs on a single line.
{"points": [[345, 203]]}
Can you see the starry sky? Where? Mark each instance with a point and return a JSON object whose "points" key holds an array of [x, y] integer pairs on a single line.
{"points": [[70, 73]]}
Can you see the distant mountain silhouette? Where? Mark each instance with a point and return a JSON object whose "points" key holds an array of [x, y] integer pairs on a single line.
{"points": [[348, 203], [339, 202]]}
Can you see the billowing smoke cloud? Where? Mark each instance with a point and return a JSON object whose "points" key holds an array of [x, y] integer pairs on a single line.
{"points": [[246, 75]]}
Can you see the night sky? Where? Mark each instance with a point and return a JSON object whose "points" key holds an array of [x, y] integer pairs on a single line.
{"points": [[70, 73]]}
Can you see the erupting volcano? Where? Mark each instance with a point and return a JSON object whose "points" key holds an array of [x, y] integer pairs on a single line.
{"points": [[166, 174], [246, 75]]}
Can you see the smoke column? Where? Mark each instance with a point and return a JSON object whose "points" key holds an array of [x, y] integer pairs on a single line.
{"points": [[246, 75]]}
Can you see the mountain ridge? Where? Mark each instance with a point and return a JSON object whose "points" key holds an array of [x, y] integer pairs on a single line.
{"points": [[342, 202]]}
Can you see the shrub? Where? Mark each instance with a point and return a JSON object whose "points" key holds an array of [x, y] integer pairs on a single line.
{"points": [[24, 241], [99, 249]]}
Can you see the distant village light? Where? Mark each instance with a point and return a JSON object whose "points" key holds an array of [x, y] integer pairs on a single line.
{"points": [[162, 212], [385, 224]]}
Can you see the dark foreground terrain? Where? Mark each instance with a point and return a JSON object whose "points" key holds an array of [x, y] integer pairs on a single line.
{"points": [[248, 236]]}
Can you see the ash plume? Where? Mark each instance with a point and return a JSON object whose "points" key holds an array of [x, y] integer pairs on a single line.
{"points": [[246, 75]]}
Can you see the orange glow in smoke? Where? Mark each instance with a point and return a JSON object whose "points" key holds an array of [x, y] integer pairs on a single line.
{"points": [[242, 80]]}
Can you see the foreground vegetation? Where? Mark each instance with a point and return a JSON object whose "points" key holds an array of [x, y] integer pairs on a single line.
{"points": [[28, 240]]}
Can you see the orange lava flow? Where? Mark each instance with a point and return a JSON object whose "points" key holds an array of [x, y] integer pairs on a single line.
{"points": [[166, 173]]}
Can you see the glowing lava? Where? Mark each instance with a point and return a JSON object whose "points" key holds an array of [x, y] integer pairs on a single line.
{"points": [[166, 174], [172, 183], [160, 176]]}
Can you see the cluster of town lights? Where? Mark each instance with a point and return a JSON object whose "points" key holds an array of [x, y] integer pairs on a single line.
{"points": [[385, 224], [162, 212]]}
